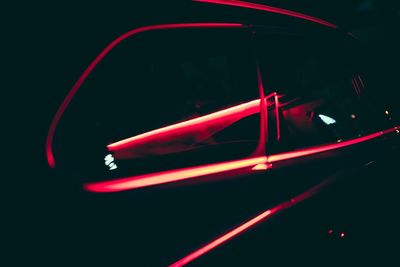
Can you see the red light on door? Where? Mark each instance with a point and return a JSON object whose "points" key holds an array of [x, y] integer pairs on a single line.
{"points": [[152, 179], [221, 118]]}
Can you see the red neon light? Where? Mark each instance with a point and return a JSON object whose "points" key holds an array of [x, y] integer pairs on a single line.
{"points": [[240, 229], [194, 172], [173, 175], [221, 119], [263, 113], [278, 124], [92, 65], [269, 9], [223, 238], [324, 148]]}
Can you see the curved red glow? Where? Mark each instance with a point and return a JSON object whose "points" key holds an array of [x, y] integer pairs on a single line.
{"points": [[92, 65], [269, 9], [250, 223], [173, 175]]}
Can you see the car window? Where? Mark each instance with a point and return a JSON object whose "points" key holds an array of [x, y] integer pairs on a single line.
{"points": [[164, 99], [321, 90]]}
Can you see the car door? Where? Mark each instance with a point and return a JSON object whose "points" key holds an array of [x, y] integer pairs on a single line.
{"points": [[191, 140], [163, 100], [163, 134], [318, 99], [326, 148]]}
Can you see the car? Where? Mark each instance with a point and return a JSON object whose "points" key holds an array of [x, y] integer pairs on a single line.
{"points": [[238, 133]]}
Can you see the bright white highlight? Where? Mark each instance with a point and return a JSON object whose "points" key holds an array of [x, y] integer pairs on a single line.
{"points": [[327, 120]]}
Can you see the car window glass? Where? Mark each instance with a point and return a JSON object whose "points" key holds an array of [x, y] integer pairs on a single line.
{"points": [[175, 98], [321, 91]]}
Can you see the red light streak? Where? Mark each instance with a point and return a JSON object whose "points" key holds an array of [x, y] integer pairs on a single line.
{"points": [[278, 124], [269, 9], [264, 109], [172, 175], [152, 179], [250, 223], [263, 113], [222, 118], [92, 65], [223, 238], [324, 148]]}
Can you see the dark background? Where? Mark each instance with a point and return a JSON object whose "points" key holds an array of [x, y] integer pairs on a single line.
{"points": [[47, 47]]}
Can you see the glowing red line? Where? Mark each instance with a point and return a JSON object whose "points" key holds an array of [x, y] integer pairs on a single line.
{"points": [[240, 229], [324, 148], [172, 175], [92, 65], [263, 113], [222, 239], [194, 172], [309, 193], [278, 124], [269, 9], [233, 113], [264, 107]]}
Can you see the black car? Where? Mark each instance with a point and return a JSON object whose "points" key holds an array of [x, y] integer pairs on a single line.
{"points": [[231, 117]]}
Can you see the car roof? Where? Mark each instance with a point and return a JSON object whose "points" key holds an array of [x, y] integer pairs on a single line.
{"points": [[232, 11]]}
